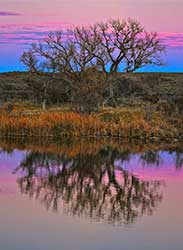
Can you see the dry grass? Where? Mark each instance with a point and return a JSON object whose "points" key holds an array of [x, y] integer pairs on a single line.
{"points": [[122, 123]]}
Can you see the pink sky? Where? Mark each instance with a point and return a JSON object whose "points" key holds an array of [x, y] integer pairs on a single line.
{"points": [[24, 21], [159, 15]]}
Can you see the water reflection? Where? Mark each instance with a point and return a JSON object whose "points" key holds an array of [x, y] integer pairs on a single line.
{"points": [[151, 157], [112, 182], [88, 185], [92, 183], [179, 159]]}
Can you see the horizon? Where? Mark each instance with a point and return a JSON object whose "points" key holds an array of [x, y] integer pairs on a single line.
{"points": [[23, 22]]}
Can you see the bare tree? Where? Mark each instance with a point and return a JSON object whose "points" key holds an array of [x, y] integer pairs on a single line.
{"points": [[120, 45], [30, 61], [110, 47], [41, 78]]}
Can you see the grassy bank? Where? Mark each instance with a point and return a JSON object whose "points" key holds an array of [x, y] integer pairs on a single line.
{"points": [[151, 106], [109, 122]]}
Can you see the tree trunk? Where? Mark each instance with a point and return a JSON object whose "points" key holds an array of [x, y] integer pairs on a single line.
{"points": [[44, 105], [112, 96]]}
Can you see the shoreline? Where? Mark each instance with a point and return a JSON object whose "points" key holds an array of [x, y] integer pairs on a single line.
{"points": [[85, 145], [157, 140]]}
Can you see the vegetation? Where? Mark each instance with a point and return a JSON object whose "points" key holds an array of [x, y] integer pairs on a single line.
{"points": [[108, 122], [159, 90]]}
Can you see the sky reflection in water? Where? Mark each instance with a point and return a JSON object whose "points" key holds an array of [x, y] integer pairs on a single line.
{"points": [[88, 194]]}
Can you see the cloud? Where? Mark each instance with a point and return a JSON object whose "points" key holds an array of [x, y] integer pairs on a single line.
{"points": [[172, 40], [8, 13], [29, 33]]}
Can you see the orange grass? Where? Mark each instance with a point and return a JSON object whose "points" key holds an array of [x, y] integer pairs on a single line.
{"points": [[57, 124]]}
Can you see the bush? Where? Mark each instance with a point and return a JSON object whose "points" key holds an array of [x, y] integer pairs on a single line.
{"points": [[165, 106]]}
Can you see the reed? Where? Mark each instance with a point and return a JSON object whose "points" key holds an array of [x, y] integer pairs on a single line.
{"points": [[107, 123]]}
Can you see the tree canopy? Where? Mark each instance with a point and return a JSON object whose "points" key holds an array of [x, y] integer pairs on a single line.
{"points": [[110, 46], [106, 47]]}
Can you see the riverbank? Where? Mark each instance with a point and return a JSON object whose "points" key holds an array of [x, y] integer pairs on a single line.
{"points": [[124, 123]]}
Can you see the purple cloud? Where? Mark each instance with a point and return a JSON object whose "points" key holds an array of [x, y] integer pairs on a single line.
{"points": [[8, 13]]}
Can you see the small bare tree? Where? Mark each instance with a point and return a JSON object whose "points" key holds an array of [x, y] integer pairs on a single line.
{"points": [[31, 59]]}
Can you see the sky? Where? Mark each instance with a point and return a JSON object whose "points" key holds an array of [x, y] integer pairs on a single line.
{"points": [[25, 21]]}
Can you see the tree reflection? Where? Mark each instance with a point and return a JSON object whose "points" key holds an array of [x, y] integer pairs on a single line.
{"points": [[179, 159], [88, 184], [151, 157]]}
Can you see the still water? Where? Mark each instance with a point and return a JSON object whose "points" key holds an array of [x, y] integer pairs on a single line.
{"points": [[91, 196]]}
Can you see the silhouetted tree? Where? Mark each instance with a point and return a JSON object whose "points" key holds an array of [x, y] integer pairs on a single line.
{"points": [[108, 47]]}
